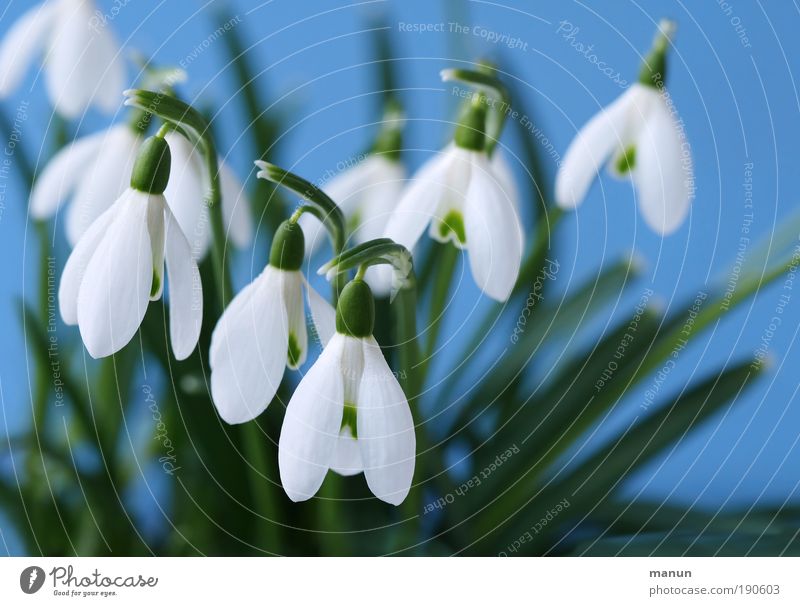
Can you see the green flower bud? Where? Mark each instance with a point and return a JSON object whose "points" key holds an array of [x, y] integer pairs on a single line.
{"points": [[654, 68], [355, 312], [151, 169], [471, 129], [288, 247], [389, 142]]}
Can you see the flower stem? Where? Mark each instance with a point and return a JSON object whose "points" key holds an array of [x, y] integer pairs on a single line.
{"points": [[262, 488]]}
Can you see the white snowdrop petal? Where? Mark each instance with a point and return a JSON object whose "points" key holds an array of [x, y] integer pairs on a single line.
{"points": [[62, 174], [102, 181], [83, 63], [235, 307], [311, 426], [662, 172], [235, 207], [25, 39], [347, 455], [505, 176], [75, 268], [104, 67], [185, 290], [185, 193], [249, 350], [493, 234], [593, 144], [322, 313], [420, 200], [385, 429], [115, 290], [449, 213], [292, 286]]}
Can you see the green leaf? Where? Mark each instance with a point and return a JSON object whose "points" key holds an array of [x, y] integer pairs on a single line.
{"points": [[597, 478]]}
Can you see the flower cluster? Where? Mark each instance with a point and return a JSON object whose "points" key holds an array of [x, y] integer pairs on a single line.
{"points": [[146, 209]]}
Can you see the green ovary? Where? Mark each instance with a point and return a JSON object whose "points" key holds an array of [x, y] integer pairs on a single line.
{"points": [[156, 284], [453, 222], [349, 418], [294, 352], [627, 161]]}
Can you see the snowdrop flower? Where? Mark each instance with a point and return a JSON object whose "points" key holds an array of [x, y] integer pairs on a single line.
{"points": [[643, 139], [263, 331], [466, 198], [93, 170], [117, 267], [349, 413], [82, 61]]}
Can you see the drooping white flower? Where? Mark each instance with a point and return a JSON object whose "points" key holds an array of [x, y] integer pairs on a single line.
{"points": [[263, 331], [367, 193], [83, 65], [640, 135], [117, 266], [349, 413], [93, 171], [464, 197]]}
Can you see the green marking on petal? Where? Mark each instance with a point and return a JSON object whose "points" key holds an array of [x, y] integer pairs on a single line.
{"points": [[156, 284], [294, 351], [349, 419], [627, 161], [453, 223]]}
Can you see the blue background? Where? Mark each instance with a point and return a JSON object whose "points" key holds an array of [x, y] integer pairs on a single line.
{"points": [[739, 104]]}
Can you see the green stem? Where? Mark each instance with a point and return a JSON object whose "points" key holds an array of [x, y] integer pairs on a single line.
{"points": [[262, 489]]}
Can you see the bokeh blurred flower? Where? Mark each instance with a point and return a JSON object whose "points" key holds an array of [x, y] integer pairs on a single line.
{"points": [[94, 170], [82, 62], [118, 264], [263, 331], [465, 197], [643, 139], [367, 191], [349, 412], [186, 194]]}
